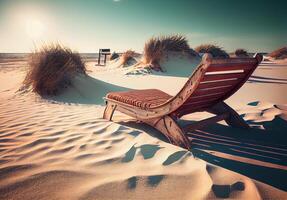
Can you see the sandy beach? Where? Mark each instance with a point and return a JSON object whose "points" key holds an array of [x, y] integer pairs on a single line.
{"points": [[143, 100], [62, 148]]}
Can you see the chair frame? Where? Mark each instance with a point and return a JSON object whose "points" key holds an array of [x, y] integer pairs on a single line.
{"points": [[165, 117]]}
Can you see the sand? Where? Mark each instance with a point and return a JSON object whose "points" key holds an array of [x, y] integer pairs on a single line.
{"points": [[61, 148]]}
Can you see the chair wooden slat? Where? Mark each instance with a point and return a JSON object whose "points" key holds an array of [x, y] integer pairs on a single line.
{"points": [[218, 84], [234, 61], [229, 67], [214, 77], [203, 99], [184, 109], [198, 98], [212, 90], [201, 103]]}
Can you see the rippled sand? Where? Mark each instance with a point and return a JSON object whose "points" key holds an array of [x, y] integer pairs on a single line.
{"points": [[52, 149]]}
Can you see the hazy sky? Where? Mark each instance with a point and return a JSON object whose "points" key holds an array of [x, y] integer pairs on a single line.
{"points": [[86, 25]]}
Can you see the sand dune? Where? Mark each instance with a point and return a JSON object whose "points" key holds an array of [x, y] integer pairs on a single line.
{"points": [[61, 148]]}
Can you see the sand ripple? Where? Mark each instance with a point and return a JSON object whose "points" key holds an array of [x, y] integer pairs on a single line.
{"points": [[54, 150]]}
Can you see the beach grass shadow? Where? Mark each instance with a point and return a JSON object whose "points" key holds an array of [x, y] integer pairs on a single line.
{"points": [[132, 182], [155, 180], [176, 156], [147, 150]]}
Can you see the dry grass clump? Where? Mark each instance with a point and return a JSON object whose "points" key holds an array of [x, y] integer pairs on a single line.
{"points": [[114, 56], [157, 47], [51, 69], [279, 53], [241, 53], [128, 57], [214, 50]]}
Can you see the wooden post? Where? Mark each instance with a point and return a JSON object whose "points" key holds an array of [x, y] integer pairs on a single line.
{"points": [[99, 58], [105, 58]]}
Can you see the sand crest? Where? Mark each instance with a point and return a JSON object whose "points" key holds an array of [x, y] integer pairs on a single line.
{"points": [[61, 148]]}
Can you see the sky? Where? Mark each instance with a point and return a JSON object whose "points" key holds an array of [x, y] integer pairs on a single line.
{"points": [[87, 25]]}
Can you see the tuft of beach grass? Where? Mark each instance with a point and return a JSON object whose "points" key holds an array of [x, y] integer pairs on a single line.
{"points": [[51, 69]]}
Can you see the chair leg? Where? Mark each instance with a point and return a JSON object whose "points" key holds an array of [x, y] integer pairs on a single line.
{"points": [[234, 118], [169, 127], [109, 111]]}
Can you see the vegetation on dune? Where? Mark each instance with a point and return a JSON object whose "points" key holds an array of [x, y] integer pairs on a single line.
{"points": [[51, 68], [157, 47], [128, 57], [241, 53], [114, 56], [279, 53], [215, 51]]}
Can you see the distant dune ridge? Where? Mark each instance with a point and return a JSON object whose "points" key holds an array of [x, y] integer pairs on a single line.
{"points": [[214, 50], [51, 69], [280, 53]]}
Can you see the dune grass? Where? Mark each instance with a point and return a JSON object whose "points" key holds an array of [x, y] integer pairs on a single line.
{"points": [[114, 56], [51, 69], [280, 53], [156, 47], [215, 51], [241, 53], [128, 57]]}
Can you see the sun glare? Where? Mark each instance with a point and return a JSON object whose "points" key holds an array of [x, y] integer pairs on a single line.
{"points": [[34, 28], [32, 20]]}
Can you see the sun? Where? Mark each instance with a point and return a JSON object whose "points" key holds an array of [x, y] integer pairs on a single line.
{"points": [[34, 28]]}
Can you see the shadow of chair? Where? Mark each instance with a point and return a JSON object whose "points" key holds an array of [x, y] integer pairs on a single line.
{"points": [[260, 154]]}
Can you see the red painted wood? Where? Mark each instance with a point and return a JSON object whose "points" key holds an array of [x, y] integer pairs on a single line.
{"points": [[202, 99], [201, 103], [234, 61], [219, 94], [212, 90], [218, 83], [228, 67], [199, 98], [186, 109], [213, 77]]}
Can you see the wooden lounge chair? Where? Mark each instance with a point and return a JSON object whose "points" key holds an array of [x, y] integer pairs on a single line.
{"points": [[210, 84]]}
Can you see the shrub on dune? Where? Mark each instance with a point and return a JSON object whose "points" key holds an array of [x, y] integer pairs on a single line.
{"points": [[52, 68], [157, 47], [128, 57], [114, 56], [279, 53], [241, 53], [214, 50]]}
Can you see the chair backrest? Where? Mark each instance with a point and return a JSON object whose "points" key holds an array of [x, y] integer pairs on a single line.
{"points": [[217, 79], [213, 81]]}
